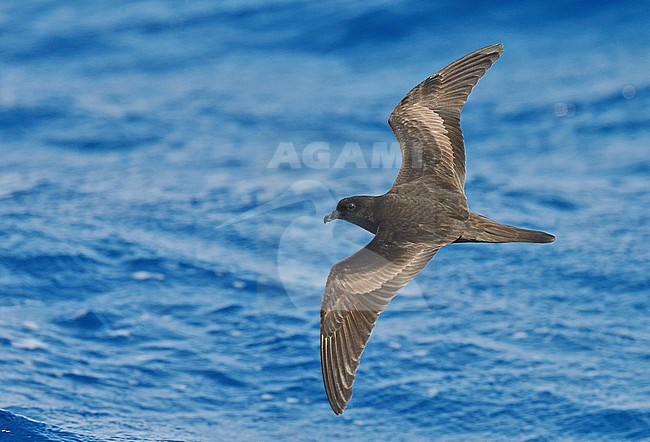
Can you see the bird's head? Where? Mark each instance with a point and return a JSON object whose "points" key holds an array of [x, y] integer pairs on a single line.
{"points": [[359, 210]]}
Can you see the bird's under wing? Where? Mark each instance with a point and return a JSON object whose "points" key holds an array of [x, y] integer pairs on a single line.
{"points": [[358, 289], [427, 120]]}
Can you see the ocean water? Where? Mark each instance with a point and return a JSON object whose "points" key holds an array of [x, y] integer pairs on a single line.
{"points": [[164, 170]]}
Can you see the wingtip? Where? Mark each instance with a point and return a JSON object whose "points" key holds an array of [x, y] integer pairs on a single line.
{"points": [[496, 47], [336, 408], [337, 404]]}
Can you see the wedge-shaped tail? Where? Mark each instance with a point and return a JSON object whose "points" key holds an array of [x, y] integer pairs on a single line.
{"points": [[482, 229]]}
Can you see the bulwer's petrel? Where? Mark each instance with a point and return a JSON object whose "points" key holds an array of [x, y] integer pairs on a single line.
{"points": [[424, 210]]}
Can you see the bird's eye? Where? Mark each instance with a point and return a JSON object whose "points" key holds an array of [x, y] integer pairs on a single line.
{"points": [[351, 206]]}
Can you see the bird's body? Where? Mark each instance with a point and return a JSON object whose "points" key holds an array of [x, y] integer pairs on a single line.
{"points": [[424, 210]]}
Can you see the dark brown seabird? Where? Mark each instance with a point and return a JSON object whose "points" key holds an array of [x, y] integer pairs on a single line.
{"points": [[424, 210]]}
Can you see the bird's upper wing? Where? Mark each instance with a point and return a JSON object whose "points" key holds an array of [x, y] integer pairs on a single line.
{"points": [[427, 120], [358, 289]]}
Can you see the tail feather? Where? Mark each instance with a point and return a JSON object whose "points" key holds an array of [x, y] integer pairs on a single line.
{"points": [[482, 229]]}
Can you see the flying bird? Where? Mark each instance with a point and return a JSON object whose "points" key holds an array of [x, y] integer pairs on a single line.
{"points": [[424, 210]]}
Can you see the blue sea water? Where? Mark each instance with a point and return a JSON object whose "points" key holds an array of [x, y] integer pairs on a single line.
{"points": [[165, 167]]}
